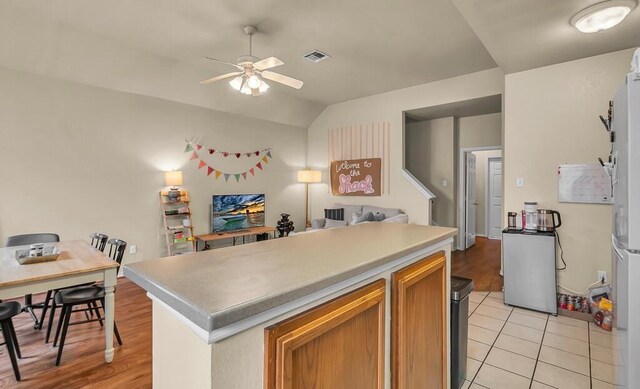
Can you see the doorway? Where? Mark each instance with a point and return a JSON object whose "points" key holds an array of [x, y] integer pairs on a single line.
{"points": [[494, 198]]}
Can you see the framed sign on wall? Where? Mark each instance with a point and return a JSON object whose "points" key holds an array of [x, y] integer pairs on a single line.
{"points": [[356, 177]]}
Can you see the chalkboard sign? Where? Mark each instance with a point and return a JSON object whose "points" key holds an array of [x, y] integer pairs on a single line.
{"points": [[356, 177]]}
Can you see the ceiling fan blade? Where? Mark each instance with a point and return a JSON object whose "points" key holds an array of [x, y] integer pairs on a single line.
{"points": [[267, 63], [225, 62], [255, 92], [222, 77], [286, 80]]}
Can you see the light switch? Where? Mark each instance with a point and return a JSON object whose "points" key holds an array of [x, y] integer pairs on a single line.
{"points": [[444, 182], [520, 182]]}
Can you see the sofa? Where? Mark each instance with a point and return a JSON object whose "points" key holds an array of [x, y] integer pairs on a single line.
{"points": [[354, 214]]}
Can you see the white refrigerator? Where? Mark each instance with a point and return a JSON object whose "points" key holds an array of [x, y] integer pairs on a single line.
{"points": [[625, 175]]}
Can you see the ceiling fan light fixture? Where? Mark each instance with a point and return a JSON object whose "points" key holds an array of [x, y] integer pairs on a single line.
{"points": [[602, 16], [254, 81], [245, 89], [236, 83], [263, 87]]}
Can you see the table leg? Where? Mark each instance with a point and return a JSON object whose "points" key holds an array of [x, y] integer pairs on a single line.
{"points": [[109, 312]]}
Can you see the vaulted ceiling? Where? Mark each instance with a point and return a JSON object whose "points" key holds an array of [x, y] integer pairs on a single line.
{"points": [[156, 47]]}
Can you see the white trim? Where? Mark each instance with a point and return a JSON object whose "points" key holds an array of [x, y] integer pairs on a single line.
{"points": [[417, 184], [462, 229], [219, 334], [487, 219]]}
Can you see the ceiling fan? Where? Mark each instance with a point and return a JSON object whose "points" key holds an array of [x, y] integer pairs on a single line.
{"points": [[249, 78]]}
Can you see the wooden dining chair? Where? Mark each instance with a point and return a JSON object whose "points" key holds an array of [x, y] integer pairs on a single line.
{"points": [[28, 239], [7, 311], [89, 296], [99, 241]]}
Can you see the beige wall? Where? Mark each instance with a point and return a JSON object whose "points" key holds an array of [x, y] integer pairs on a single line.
{"points": [[551, 118], [389, 107], [480, 131], [482, 166], [78, 159]]}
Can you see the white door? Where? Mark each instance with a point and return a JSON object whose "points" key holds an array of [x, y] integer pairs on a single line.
{"points": [[470, 202], [495, 198]]}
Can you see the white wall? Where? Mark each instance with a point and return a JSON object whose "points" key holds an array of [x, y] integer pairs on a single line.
{"points": [[79, 159], [480, 131], [389, 107], [482, 166], [551, 118]]}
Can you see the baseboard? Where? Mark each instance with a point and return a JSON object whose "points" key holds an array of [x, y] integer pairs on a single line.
{"points": [[481, 235]]}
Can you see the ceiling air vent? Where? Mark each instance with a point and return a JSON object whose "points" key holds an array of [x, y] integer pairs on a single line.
{"points": [[316, 56]]}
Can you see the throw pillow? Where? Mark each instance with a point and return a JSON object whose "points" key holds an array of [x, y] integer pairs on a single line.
{"points": [[378, 217], [354, 217], [330, 223], [334, 213], [365, 217]]}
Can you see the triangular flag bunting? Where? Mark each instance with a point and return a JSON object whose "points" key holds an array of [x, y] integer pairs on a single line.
{"points": [[226, 177], [201, 164], [248, 154], [244, 175], [237, 177], [238, 155], [188, 148], [251, 171], [209, 170], [193, 156], [226, 154], [257, 153], [269, 154], [265, 160], [211, 151], [218, 174], [198, 147], [259, 165]]}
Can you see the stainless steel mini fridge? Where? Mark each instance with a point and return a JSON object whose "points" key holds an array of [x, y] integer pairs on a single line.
{"points": [[530, 270]]}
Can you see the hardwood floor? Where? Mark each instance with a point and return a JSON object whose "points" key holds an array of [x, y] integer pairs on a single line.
{"points": [[83, 364], [481, 263]]}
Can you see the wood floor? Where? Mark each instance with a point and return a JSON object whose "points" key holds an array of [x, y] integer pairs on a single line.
{"points": [[83, 364], [481, 263]]}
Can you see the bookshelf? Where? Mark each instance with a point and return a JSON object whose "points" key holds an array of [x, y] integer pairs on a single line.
{"points": [[175, 215]]}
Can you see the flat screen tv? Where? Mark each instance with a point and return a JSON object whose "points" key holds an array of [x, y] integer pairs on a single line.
{"points": [[237, 212]]}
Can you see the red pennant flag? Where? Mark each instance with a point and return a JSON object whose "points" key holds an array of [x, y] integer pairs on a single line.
{"points": [[211, 151], [201, 164], [225, 153], [251, 171], [209, 170], [198, 147], [257, 153], [193, 156], [238, 155], [244, 175], [248, 154], [259, 165]]}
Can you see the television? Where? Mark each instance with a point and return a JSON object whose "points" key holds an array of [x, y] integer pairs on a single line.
{"points": [[236, 212]]}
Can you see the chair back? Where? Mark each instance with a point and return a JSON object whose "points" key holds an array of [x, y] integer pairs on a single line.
{"points": [[26, 239], [116, 250], [99, 240]]}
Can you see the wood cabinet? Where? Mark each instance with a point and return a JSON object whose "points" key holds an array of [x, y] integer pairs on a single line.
{"points": [[418, 325], [339, 344]]}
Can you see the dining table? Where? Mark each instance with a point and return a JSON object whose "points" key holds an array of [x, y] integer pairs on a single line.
{"points": [[78, 263]]}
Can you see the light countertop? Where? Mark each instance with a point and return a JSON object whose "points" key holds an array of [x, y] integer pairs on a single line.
{"points": [[220, 287]]}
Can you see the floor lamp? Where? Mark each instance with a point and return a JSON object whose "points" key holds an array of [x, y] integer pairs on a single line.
{"points": [[308, 177]]}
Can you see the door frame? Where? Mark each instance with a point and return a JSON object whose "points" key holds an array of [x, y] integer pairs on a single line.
{"points": [[462, 178], [487, 189]]}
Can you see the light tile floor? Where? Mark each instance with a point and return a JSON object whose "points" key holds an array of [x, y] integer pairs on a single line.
{"points": [[515, 348]]}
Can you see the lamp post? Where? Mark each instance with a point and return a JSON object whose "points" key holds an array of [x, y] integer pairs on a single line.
{"points": [[307, 177]]}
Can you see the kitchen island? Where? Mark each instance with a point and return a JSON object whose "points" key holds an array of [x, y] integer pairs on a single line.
{"points": [[358, 307]]}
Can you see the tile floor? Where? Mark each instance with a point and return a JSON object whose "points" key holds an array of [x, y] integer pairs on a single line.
{"points": [[516, 348]]}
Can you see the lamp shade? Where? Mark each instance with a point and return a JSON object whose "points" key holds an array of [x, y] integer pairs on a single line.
{"points": [[173, 178], [309, 176]]}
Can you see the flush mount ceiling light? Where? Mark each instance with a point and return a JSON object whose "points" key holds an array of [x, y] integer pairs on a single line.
{"points": [[251, 71], [602, 16]]}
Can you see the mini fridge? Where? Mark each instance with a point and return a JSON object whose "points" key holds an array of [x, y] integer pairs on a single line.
{"points": [[529, 270]]}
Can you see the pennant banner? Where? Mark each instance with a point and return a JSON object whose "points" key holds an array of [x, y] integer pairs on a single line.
{"points": [[210, 170], [191, 146]]}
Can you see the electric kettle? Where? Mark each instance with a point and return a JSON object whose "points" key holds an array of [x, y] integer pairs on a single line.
{"points": [[548, 220]]}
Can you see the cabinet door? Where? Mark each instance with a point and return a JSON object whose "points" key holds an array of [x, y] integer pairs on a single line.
{"points": [[418, 324], [339, 344]]}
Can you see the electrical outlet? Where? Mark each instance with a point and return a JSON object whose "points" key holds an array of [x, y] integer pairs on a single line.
{"points": [[602, 275], [520, 182], [133, 249]]}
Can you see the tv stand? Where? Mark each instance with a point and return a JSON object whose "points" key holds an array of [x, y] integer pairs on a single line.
{"points": [[257, 231]]}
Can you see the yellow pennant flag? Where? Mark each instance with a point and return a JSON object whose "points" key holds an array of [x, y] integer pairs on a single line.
{"points": [[265, 160], [218, 174]]}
